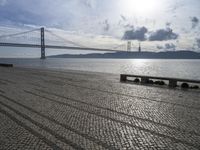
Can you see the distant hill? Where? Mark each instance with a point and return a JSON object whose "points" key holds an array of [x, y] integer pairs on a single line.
{"points": [[136, 55]]}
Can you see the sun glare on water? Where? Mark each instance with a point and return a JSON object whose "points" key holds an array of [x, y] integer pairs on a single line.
{"points": [[140, 7]]}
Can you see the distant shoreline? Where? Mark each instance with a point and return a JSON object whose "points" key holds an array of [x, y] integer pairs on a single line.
{"points": [[135, 55]]}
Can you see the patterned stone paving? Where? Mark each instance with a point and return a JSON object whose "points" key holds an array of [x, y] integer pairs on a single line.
{"points": [[48, 109]]}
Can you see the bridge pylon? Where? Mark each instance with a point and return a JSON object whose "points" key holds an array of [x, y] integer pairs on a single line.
{"points": [[42, 44]]}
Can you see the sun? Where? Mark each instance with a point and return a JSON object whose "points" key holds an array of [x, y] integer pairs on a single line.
{"points": [[140, 7]]}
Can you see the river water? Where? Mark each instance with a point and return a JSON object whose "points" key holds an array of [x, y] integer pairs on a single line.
{"points": [[156, 67]]}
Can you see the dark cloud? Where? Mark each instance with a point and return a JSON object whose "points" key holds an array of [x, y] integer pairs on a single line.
{"points": [[195, 22], [163, 35], [198, 42], [138, 34]]}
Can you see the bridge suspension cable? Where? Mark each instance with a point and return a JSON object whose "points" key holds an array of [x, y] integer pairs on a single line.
{"points": [[19, 33], [62, 38]]}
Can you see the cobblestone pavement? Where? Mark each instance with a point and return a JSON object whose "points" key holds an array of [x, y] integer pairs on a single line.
{"points": [[48, 109]]}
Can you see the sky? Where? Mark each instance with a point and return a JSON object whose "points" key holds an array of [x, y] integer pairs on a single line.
{"points": [[159, 25]]}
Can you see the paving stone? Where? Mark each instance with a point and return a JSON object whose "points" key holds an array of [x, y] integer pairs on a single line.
{"points": [[48, 109]]}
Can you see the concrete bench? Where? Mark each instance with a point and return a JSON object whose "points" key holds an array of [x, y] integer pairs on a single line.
{"points": [[144, 79]]}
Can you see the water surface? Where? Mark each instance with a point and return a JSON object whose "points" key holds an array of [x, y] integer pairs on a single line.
{"points": [[157, 67]]}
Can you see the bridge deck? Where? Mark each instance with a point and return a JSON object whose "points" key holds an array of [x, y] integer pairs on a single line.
{"points": [[48, 109], [57, 47]]}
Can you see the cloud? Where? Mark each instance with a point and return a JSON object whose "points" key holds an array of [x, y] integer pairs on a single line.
{"points": [[168, 24], [90, 3], [159, 47], [167, 46], [175, 6], [85, 16], [3, 2], [129, 26], [198, 42], [106, 25], [163, 35], [73, 15], [138, 34], [123, 18], [26, 12], [142, 34], [170, 46], [195, 22]]}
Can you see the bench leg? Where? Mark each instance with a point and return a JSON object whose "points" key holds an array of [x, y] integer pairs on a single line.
{"points": [[123, 78], [172, 83]]}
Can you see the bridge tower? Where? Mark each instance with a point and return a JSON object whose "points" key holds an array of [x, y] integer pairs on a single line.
{"points": [[42, 44], [139, 48]]}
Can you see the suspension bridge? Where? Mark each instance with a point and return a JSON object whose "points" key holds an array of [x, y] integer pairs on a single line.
{"points": [[44, 38], [20, 40]]}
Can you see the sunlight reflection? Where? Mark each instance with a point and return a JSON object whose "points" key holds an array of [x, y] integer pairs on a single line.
{"points": [[141, 7]]}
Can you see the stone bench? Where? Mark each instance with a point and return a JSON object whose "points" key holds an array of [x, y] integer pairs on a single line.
{"points": [[144, 79]]}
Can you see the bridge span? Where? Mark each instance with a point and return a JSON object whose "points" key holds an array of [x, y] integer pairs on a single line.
{"points": [[43, 46]]}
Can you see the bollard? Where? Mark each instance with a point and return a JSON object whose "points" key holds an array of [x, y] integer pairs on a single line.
{"points": [[123, 78], [136, 80], [144, 80], [185, 85]]}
